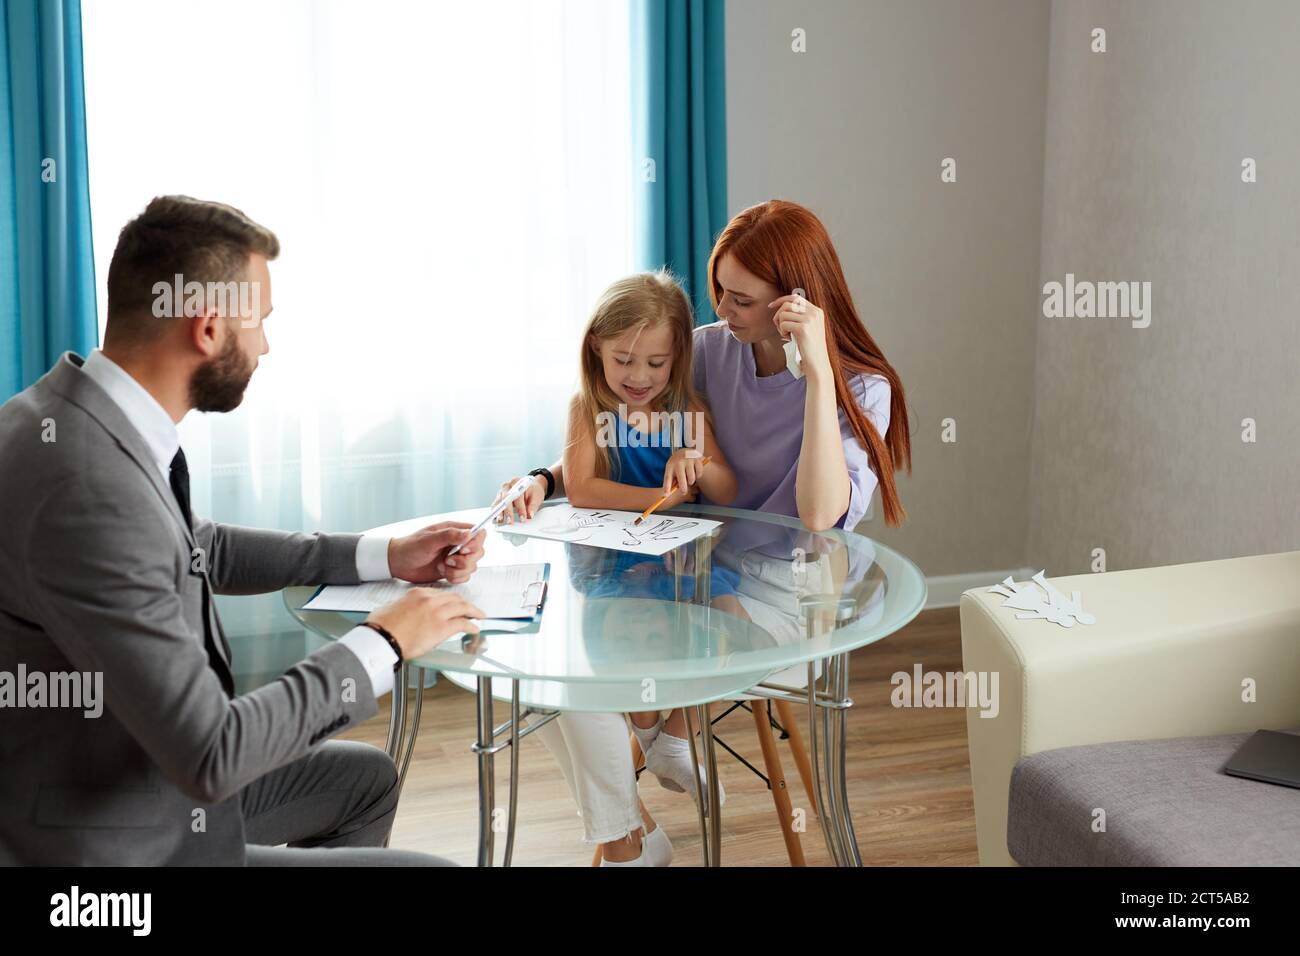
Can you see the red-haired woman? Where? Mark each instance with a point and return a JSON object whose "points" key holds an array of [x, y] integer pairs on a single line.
{"points": [[811, 438], [814, 447]]}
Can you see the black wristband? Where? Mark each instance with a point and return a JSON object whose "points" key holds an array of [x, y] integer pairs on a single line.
{"points": [[550, 479], [392, 641]]}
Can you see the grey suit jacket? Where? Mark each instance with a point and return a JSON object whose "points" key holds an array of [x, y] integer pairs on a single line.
{"points": [[97, 575]]}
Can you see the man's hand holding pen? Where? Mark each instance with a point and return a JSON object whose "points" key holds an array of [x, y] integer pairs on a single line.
{"points": [[424, 556]]}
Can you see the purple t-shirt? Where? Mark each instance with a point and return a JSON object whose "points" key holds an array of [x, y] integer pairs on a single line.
{"points": [[758, 424]]}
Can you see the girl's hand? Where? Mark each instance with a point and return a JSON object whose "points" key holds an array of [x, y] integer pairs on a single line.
{"points": [[799, 319], [526, 505], [683, 469]]}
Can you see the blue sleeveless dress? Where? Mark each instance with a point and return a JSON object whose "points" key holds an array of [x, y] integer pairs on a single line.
{"points": [[642, 465]]}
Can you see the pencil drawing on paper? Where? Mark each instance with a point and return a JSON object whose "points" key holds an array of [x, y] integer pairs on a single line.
{"points": [[613, 529]]}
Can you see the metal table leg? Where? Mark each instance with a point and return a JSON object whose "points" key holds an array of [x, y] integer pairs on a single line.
{"points": [[715, 800], [486, 774], [514, 771], [827, 726], [486, 747], [828, 722], [814, 740], [705, 843], [397, 712], [833, 768], [848, 839], [397, 725], [415, 732], [710, 819]]}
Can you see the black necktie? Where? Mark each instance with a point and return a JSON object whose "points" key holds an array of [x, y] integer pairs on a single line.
{"points": [[180, 482], [180, 479]]}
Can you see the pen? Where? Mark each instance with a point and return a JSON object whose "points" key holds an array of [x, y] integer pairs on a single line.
{"points": [[517, 489]]}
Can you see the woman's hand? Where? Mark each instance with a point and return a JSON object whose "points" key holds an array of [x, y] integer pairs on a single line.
{"points": [[799, 319], [683, 470], [526, 505]]}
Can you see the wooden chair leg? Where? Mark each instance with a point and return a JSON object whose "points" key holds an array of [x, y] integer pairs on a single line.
{"points": [[776, 776], [786, 713], [636, 762]]}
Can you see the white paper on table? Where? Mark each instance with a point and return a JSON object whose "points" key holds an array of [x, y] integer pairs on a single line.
{"points": [[508, 591], [602, 528]]}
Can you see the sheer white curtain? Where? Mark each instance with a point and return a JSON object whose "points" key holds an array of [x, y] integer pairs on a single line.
{"points": [[451, 186]]}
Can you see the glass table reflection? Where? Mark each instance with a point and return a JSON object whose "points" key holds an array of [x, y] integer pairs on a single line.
{"points": [[760, 606]]}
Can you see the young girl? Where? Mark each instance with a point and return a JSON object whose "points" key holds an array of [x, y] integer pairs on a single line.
{"points": [[816, 445], [636, 431]]}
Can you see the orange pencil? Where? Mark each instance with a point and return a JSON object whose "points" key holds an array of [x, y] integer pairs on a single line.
{"points": [[649, 511]]}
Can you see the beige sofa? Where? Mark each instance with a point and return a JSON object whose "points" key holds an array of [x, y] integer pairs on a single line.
{"points": [[1170, 656]]}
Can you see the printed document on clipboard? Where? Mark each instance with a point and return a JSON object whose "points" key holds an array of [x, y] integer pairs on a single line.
{"points": [[502, 592]]}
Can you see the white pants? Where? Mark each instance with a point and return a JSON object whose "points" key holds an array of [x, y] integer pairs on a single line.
{"points": [[593, 750], [595, 756]]}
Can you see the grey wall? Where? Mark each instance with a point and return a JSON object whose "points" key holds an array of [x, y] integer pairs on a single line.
{"points": [[1137, 432], [1073, 434], [944, 275]]}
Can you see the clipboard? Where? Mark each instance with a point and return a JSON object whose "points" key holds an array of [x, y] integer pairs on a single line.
{"points": [[535, 592], [495, 603]]}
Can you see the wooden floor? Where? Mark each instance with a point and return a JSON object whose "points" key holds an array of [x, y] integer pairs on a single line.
{"points": [[908, 772]]}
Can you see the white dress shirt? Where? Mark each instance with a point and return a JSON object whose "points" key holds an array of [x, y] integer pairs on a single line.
{"points": [[159, 432]]}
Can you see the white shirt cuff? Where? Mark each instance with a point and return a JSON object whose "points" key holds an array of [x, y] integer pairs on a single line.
{"points": [[372, 557], [375, 656]]}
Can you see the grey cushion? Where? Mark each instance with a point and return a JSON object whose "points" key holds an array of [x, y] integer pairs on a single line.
{"points": [[1167, 803]]}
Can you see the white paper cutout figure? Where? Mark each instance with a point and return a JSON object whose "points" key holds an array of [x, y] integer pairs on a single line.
{"points": [[1043, 602], [1072, 606]]}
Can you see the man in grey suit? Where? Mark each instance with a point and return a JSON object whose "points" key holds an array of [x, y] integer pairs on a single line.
{"points": [[106, 577]]}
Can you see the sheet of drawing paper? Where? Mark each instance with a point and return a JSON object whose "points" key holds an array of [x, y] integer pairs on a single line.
{"points": [[602, 528]]}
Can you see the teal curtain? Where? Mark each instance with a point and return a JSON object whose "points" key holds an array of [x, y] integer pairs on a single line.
{"points": [[47, 269], [679, 137]]}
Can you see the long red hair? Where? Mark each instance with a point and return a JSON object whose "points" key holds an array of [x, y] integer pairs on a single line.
{"points": [[786, 246]]}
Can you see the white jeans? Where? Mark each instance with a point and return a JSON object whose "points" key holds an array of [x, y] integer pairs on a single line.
{"points": [[595, 755]]}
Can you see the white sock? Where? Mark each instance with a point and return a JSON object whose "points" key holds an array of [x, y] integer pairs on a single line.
{"points": [[657, 849], [673, 746], [672, 758], [673, 754], [645, 736]]}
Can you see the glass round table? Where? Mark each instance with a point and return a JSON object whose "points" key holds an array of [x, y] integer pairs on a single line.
{"points": [[752, 605]]}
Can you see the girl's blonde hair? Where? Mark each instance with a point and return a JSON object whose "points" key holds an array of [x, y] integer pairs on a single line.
{"points": [[640, 301]]}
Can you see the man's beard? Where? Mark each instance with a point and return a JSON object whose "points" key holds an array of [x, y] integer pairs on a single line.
{"points": [[218, 385]]}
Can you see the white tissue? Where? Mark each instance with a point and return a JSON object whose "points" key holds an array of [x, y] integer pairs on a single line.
{"points": [[793, 360]]}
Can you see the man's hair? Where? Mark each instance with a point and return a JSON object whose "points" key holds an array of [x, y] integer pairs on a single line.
{"points": [[177, 235]]}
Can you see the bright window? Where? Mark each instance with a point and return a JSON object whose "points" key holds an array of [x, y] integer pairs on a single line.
{"points": [[451, 187]]}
